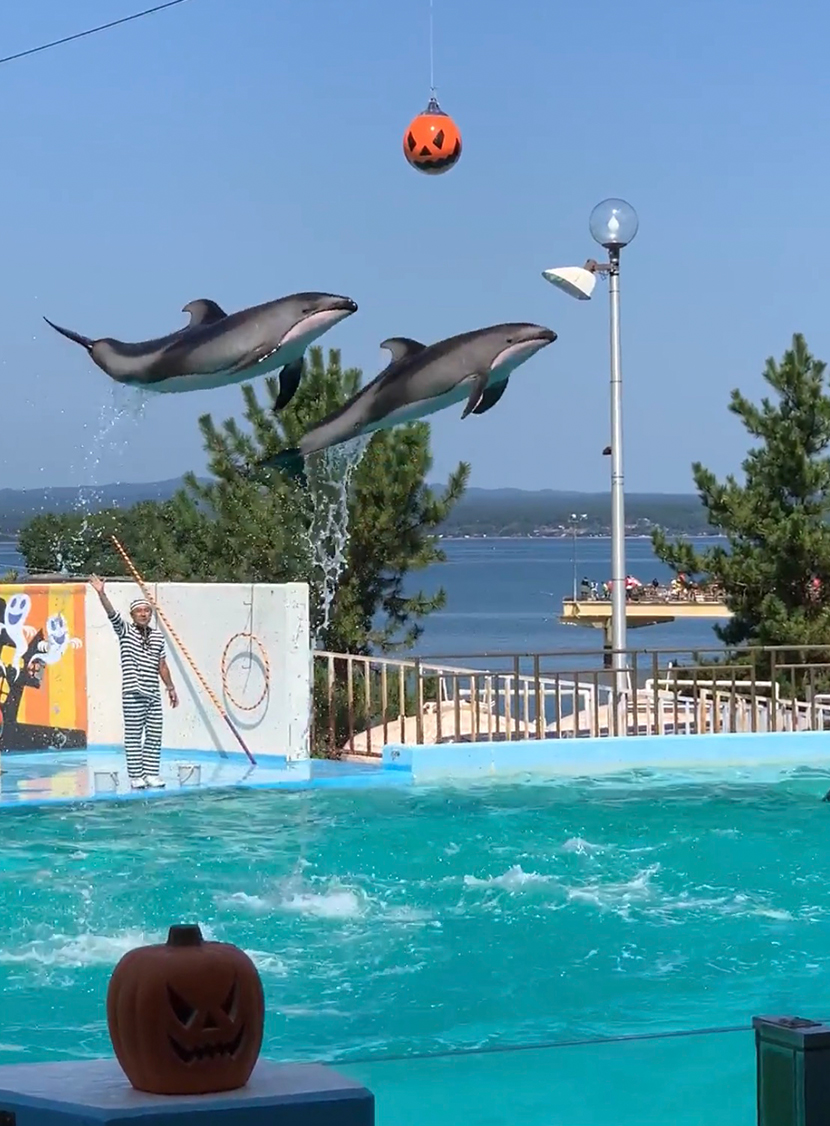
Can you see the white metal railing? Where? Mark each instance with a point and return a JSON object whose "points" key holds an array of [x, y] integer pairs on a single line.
{"points": [[386, 701], [740, 705], [471, 703]]}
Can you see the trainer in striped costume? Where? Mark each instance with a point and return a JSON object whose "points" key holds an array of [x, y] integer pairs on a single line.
{"points": [[143, 665]]}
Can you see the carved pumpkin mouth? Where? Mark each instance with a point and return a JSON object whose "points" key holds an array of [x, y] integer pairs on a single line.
{"points": [[208, 1051]]}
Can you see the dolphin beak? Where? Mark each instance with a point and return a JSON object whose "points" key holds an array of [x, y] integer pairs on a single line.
{"points": [[546, 334], [344, 303]]}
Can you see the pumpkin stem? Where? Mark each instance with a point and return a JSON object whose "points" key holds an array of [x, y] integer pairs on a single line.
{"points": [[184, 935]]}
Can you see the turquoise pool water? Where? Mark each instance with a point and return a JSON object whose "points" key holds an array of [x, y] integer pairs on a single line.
{"points": [[403, 922]]}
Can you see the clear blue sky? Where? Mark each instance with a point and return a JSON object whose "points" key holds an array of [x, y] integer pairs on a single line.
{"points": [[243, 149]]}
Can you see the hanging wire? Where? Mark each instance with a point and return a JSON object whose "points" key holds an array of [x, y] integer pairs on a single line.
{"points": [[431, 52], [91, 31]]}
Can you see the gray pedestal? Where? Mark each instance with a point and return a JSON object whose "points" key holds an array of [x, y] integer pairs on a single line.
{"points": [[77, 1093]]}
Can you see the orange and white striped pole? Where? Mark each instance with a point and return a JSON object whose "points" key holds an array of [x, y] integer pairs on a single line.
{"points": [[208, 690]]}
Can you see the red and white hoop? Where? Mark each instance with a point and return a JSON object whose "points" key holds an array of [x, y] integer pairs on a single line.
{"points": [[253, 641]]}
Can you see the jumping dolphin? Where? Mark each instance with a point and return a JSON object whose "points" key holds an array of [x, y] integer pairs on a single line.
{"points": [[217, 348], [422, 379]]}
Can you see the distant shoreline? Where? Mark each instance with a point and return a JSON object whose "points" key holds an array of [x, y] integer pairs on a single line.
{"points": [[10, 542], [494, 514], [566, 536]]}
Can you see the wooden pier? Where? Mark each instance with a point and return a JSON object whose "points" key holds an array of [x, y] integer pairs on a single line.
{"points": [[596, 612]]}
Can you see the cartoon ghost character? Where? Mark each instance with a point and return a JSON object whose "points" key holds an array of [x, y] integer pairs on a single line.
{"points": [[17, 631], [57, 640]]}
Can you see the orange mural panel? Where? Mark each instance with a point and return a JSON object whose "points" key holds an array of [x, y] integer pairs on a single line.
{"points": [[43, 691]]}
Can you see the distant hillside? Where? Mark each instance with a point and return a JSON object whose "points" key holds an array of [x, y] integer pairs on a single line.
{"points": [[481, 512], [516, 512], [18, 506]]}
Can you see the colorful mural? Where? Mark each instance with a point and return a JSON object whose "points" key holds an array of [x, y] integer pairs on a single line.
{"points": [[43, 701]]}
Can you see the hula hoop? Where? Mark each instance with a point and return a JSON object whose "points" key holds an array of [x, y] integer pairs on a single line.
{"points": [[264, 657]]}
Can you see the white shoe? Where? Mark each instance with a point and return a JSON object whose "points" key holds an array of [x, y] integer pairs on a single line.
{"points": [[154, 782], [138, 784]]}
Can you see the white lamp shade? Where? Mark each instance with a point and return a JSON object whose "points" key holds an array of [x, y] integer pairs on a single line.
{"points": [[573, 280]]}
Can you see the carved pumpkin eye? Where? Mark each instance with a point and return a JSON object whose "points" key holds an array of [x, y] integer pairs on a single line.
{"points": [[230, 1002], [183, 1012]]}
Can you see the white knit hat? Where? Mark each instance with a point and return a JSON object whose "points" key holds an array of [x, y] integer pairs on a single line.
{"points": [[136, 602]]}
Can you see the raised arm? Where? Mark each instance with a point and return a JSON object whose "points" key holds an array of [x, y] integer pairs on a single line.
{"points": [[118, 623]]}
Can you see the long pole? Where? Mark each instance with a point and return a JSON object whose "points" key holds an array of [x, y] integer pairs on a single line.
{"points": [[618, 633], [573, 550], [208, 690]]}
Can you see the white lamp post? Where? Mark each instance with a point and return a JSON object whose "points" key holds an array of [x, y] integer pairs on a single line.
{"points": [[576, 520], [613, 224]]}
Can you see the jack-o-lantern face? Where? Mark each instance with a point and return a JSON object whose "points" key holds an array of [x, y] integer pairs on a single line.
{"points": [[197, 1033], [186, 1017], [432, 142]]}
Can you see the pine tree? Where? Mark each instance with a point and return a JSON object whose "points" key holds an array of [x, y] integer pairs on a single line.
{"points": [[79, 543], [776, 571], [391, 512]]}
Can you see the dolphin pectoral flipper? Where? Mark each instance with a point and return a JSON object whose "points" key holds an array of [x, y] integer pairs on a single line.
{"points": [[490, 397], [476, 392], [289, 381], [402, 347]]}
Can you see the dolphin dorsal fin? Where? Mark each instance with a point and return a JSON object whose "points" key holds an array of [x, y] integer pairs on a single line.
{"points": [[203, 311], [402, 347]]}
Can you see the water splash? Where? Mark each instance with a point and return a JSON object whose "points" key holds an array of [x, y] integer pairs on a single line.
{"points": [[329, 479], [125, 404]]}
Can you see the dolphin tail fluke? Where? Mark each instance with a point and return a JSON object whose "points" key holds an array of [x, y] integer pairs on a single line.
{"points": [[84, 341], [291, 463]]}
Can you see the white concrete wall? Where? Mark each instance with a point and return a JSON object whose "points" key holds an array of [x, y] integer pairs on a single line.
{"points": [[205, 616]]}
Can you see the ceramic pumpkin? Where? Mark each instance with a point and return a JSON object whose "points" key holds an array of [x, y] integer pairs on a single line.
{"points": [[432, 142], [186, 1017]]}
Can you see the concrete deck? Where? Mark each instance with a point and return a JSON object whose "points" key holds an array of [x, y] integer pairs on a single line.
{"points": [[100, 774], [456, 722], [63, 778]]}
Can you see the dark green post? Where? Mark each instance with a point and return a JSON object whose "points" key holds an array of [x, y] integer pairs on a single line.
{"points": [[793, 1071]]}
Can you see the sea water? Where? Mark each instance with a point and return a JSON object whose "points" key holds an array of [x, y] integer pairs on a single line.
{"points": [[506, 596], [446, 920]]}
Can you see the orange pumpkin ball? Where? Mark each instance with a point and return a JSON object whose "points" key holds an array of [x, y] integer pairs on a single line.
{"points": [[186, 1017], [432, 141]]}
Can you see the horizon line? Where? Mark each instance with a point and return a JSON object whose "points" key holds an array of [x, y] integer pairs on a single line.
{"points": [[431, 484]]}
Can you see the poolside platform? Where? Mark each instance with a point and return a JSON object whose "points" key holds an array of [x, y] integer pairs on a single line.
{"points": [[64, 778], [596, 612], [45, 778]]}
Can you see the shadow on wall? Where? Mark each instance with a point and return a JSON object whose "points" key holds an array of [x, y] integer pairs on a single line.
{"points": [[184, 676], [43, 689], [255, 676]]}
